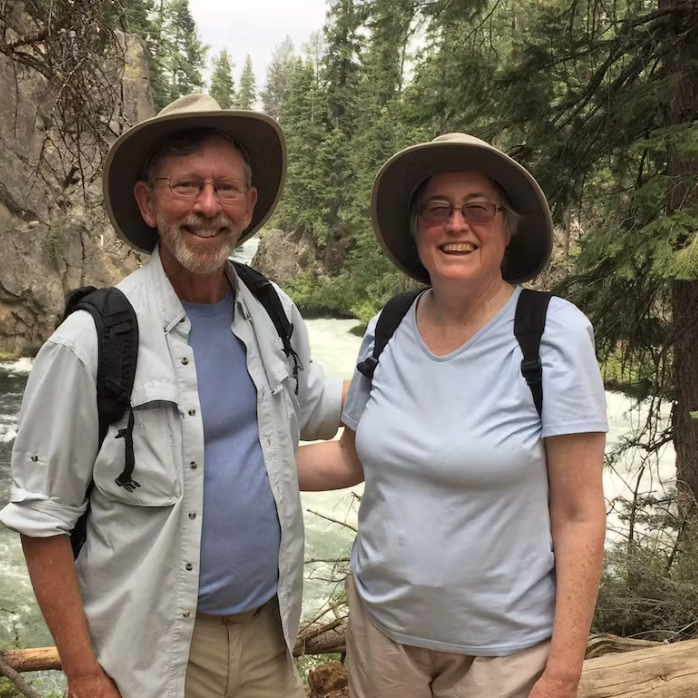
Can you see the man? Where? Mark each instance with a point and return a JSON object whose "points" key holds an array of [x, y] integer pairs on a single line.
{"points": [[189, 583]]}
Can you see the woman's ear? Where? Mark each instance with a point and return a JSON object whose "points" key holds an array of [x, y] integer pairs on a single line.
{"points": [[146, 202]]}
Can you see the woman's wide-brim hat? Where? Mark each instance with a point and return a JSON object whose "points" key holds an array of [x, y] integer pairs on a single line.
{"points": [[400, 177], [258, 135]]}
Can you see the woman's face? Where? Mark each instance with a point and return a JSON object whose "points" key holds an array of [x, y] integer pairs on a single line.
{"points": [[469, 243]]}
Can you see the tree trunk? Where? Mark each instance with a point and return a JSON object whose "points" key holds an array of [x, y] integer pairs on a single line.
{"points": [[681, 109]]}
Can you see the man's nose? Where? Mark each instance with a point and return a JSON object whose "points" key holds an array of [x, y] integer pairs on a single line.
{"points": [[207, 203]]}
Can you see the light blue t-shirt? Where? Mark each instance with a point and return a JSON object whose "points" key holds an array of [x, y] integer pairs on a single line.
{"points": [[454, 550], [240, 529]]}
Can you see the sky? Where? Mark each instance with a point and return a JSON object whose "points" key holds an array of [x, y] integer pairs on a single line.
{"points": [[255, 27]]}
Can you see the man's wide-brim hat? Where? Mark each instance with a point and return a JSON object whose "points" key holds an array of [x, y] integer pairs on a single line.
{"points": [[257, 134], [400, 177]]}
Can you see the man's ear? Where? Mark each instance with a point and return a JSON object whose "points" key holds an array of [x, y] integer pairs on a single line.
{"points": [[145, 200], [251, 202]]}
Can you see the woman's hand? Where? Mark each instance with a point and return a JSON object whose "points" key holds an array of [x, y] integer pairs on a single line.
{"points": [[550, 687]]}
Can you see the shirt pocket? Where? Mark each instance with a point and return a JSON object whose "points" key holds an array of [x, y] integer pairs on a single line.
{"points": [[156, 447]]}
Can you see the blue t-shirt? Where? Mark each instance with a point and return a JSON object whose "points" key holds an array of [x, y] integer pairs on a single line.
{"points": [[454, 550], [240, 529]]}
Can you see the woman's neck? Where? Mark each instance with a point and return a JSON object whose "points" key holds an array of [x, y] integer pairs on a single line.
{"points": [[455, 304]]}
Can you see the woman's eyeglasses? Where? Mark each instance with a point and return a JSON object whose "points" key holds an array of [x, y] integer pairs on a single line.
{"points": [[476, 212]]}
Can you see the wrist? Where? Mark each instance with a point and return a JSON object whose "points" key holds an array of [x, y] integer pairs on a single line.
{"points": [[562, 673], [84, 670]]}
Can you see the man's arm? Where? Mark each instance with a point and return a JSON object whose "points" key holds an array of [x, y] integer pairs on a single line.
{"points": [[332, 465], [52, 572], [578, 521], [52, 463]]}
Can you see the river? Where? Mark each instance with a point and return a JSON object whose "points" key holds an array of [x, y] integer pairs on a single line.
{"points": [[335, 347]]}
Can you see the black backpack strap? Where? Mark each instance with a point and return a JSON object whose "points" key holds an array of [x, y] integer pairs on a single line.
{"points": [[117, 355], [388, 321], [263, 290], [529, 325]]}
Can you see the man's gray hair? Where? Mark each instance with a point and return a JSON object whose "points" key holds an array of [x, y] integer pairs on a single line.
{"points": [[510, 217], [184, 143]]}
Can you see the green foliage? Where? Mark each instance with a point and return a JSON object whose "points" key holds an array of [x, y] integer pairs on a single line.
{"points": [[53, 238], [647, 595], [184, 55], [222, 88], [247, 95]]}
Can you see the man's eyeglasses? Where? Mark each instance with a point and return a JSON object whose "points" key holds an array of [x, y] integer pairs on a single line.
{"points": [[228, 190], [476, 212]]}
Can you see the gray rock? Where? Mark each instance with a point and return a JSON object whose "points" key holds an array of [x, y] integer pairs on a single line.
{"points": [[281, 256]]}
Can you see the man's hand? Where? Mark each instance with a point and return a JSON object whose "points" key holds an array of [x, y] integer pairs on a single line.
{"points": [[93, 686], [548, 687]]}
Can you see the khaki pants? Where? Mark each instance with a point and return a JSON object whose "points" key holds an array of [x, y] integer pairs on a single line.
{"points": [[241, 656], [381, 668]]}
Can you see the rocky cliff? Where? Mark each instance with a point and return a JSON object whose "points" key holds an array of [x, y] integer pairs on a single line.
{"points": [[282, 256], [54, 235]]}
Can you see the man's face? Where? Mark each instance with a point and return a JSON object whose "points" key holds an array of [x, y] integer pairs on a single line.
{"points": [[199, 227]]}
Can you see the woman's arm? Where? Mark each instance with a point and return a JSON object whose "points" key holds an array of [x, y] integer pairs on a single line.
{"points": [[578, 521], [329, 466]]}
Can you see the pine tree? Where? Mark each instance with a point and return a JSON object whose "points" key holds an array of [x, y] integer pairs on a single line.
{"points": [[247, 96], [222, 88], [278, 78], [302, 113], [184, 54], [342, 60]]}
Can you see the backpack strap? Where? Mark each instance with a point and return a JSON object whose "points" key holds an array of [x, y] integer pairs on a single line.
{"points": [[529, 325], [263, 290], [388, 321], [117, 355]]}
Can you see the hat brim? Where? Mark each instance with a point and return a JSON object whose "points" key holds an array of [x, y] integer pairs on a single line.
{"points": [[527, 253], [258, 134]]}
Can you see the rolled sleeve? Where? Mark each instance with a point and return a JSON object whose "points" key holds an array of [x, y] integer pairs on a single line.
{"points": [[56, 445], [320, 397]]}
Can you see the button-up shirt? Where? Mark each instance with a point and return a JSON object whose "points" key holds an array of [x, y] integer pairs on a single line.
{"points": [[139, 569]]}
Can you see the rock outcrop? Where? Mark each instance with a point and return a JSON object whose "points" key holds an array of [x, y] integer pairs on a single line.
{"points": [[54, 235], [281, 256]]}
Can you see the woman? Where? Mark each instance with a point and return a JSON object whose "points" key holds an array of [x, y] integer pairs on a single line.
{"points": [[476, 567]]}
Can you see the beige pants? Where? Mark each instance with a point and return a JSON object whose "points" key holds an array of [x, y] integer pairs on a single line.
{"points": [[241, 656], [381, 668]]}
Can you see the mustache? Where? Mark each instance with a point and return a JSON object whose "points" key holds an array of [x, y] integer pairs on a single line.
{"points": [[196, 222]]}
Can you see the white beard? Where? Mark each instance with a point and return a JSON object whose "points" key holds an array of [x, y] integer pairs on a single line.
{"points": [[199, 261]]}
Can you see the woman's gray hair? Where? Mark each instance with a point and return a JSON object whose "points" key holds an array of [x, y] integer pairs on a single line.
{"points": [[510, 217], [188, 142]]}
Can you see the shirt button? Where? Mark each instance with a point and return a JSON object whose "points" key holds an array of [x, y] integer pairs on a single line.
{"points": [[192, 412], [185, 361], [189, 567], [193, 465], [35, 459], [185, 614], [192, 516]]}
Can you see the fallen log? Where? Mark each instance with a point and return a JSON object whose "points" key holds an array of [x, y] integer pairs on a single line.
{"points": [[660, 670], [665, 671], [329, 638]]}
